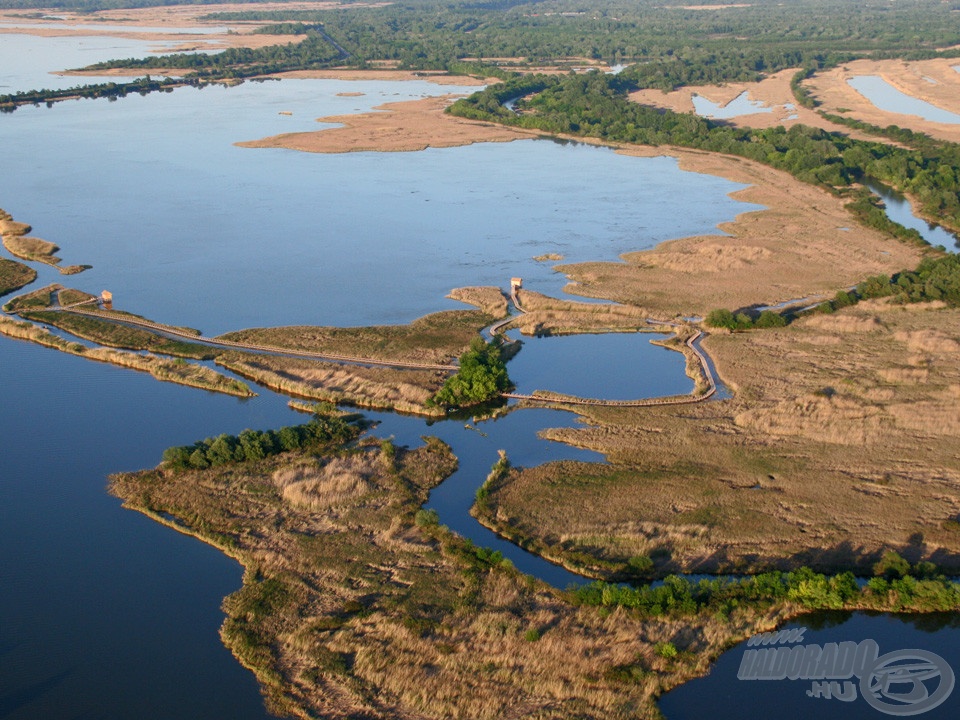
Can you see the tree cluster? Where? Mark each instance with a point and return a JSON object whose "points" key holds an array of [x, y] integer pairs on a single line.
{"points": [[482, 376], [252, 445], [895, 585]]}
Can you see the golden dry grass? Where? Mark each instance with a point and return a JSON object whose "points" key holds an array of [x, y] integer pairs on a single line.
{"points": [[31, 248], [349, 609], [934, 81], [489, 299], [368, 387], [393, 127], [840, 442], [804, 243], [545, 314]]}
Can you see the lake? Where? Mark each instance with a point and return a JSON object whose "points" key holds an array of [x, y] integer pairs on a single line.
{"points": [[886, 97], [105, 613]]}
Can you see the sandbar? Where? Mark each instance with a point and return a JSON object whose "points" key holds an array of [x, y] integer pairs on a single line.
{"points": [[393, 127]]}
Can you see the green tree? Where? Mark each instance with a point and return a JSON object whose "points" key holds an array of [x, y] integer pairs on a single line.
{"points": [[482, 375]]}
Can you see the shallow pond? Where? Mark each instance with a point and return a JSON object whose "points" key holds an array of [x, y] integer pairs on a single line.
{"points": [[740, 105], [886, 97]]}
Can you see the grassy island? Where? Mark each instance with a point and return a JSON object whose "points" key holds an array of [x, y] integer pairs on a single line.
{"points": [[356, 601]]}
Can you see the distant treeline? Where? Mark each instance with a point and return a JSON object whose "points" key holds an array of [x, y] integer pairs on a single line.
{"points": [[111, 90], [596, 105], [251, 445], [667, 45], [313, 52]]}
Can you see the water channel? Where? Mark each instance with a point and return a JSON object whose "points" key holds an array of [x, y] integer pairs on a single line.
{"points": [[106, 614]]}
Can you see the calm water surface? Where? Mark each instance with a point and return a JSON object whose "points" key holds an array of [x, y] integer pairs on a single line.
{"points": [[886, 97], [105, 613], [900, 210], [28, 64], [721, 695], [740, 105]]}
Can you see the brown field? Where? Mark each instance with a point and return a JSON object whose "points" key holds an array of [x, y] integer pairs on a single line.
{"points": [[804, 243], [934, 81], [841, 441], [14, 275], [437, 338], [351, 609]]}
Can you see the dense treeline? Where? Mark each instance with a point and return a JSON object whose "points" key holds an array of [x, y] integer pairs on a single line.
{"points": [[596, 105], [430, 33], [895, 586], [111, 90], [669, 45], [251, 445]]}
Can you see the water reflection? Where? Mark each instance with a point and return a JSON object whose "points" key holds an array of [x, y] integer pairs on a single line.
{"points": [[727, 693]]}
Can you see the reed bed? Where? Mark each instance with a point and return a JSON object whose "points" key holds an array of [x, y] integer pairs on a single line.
{"points": [[14, 275], [367, 387], [352, 606], [814, 460], [177, 371], [436, 338]]}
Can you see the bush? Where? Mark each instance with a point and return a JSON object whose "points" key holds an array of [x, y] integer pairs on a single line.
{"points": [[665, 650], [891, 566]]}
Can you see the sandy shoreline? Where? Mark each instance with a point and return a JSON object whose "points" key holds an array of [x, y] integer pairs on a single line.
{"points": [[934, 81], [804, 242], [393, 127]]}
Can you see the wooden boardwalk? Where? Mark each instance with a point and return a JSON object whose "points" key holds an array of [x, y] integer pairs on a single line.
{"points": [[496, 329], [557, 399], [266, 349]]}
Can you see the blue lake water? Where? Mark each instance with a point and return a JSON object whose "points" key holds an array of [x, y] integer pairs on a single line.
{"points": [[740, 105], [26, 64], [888, 98], [613, 366], [106, 614], [899, 209], [722, 695]]}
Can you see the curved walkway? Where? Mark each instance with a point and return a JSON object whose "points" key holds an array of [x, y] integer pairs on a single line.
{"points": [[693, 342], [268, 349]]}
